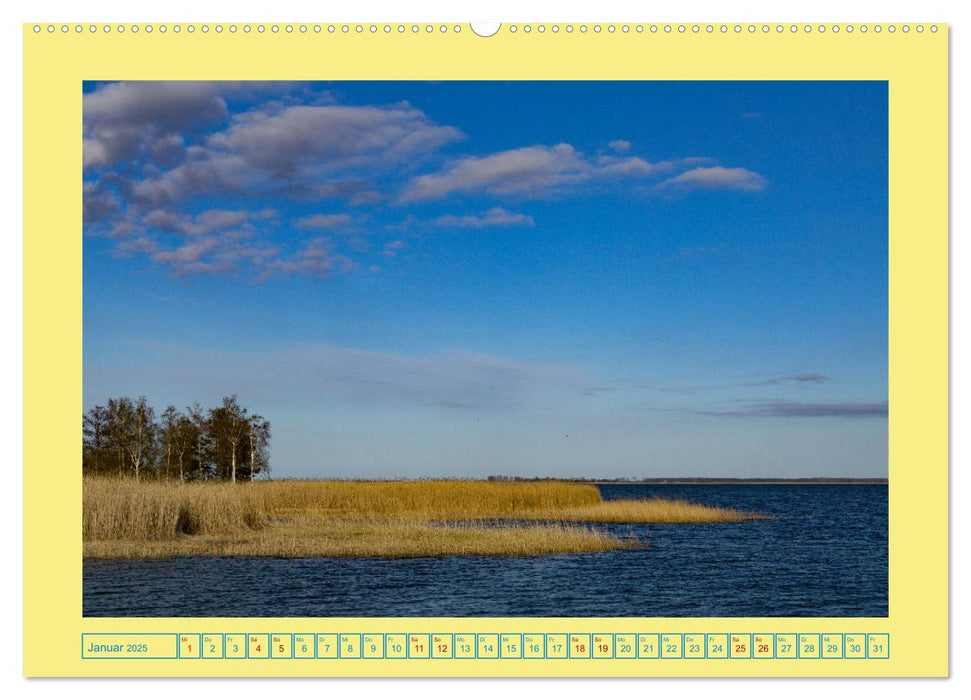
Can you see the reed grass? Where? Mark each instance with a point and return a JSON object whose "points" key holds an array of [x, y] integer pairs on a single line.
{"points": [[389, 540], [426, 500], [134, 510], [652, 510], [125, 518]]}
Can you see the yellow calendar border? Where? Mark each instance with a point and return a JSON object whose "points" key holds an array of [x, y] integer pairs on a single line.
{"points": [[915, 64]]}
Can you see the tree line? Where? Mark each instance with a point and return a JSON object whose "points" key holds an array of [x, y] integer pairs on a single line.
{"points": [[124, 438]]}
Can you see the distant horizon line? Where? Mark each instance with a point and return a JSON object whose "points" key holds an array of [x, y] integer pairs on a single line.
{"points": [[619, 480]]}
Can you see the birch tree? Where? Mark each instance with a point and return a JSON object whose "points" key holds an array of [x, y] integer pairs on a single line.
{"points": [[183, 438], [259, 442], [94, 428], [198, 417], [166, 430], [227, 442], [230, 425], [135, 431], [178, 433]]}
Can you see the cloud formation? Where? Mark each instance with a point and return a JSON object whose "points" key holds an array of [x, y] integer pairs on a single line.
{"points": [[715, 178], [533, 171], [804, 379], [97, 203], [125, 120], [205, 223], [329, 138], [317, 258], [392, 248], [793, 409], [526, 171], [122, 120], [308, 372], [497, 216], [313, 151], [223, 241], [180, 174], [797, 379], [325, 221]]}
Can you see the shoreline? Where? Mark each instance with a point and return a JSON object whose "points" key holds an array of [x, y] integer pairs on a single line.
{"points": [[138, 520], [654, 481]]}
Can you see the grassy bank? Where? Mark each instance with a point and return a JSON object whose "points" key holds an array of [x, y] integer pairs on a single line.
{"points": [[124, 518]]}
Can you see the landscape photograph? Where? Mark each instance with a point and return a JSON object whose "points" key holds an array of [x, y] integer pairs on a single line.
{"points": [[485, 349]]}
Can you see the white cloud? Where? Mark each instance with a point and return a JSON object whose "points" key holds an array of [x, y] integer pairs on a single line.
{"points": [[155, 150], [210, 242], [715, 178], [209, 255], [133, 246], [324, 221], [202, 173], [497, 216], [633, 166], [207, 222], [391, 249], [125, 119], [192, 252], [534, 171], [307, 150], [330, 137], [316, 259], [526, 171], [122, 119], [97, 203]]}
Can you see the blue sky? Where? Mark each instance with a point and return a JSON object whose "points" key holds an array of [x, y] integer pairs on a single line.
{"points": [[600, 279]]}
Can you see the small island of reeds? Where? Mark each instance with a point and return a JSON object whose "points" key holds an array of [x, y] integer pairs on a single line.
{"points": [[126, 518]]}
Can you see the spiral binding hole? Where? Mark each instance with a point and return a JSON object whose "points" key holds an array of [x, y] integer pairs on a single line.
{"points": [[512, 29]]}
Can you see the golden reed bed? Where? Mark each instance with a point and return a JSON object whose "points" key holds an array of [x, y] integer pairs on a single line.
{"points": [[125, 518]]}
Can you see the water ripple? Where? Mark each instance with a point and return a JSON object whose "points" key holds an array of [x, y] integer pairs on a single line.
{"points": [[824, 554]]}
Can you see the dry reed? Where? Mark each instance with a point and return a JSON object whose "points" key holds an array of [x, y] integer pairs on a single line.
{"points": [[125, 518], [651, 510], [348, 539]]}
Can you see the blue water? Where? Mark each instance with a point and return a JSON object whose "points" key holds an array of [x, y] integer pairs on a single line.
{"points": [[823, 554]]}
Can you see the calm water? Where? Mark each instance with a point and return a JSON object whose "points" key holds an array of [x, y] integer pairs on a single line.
{"points": [[824, 554]]}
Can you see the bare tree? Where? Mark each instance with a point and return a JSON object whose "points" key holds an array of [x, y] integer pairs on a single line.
{"points": [[183, 438], [134, 430], [230, 424], [166, 431], [116, 430], [259, 441], [95, 427], [179, 435], [225, 443], [199, 420]]}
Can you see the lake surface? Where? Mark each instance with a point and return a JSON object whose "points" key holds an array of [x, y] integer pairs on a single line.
{"points": [[824, 554]]}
